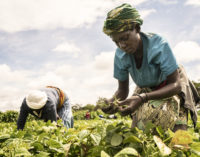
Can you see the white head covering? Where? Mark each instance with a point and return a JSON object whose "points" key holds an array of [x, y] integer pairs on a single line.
{"points": [[36, 99]]}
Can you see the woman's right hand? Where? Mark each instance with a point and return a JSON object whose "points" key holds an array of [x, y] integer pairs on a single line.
{"points": [[110, 108]]}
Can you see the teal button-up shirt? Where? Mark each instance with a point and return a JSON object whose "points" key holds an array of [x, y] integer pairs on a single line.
{"points": [[158, 62]]}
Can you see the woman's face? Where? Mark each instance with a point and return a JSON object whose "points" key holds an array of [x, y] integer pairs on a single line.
{"points": [[127, 41]]}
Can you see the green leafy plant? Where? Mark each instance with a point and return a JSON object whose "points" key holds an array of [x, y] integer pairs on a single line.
{"points": [[97, 137]]}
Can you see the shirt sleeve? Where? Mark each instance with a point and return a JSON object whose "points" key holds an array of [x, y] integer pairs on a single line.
{"points": [[120, 71], [162, 55], [22, 116]]}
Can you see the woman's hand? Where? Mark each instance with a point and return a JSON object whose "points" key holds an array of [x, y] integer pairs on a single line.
{"points": [[57, 116], [110, 108], [131, 104]]}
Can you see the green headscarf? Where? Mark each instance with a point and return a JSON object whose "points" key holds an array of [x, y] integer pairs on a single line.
{"points": [[121, 19]]}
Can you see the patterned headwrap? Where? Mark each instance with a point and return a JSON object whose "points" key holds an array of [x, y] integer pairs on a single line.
{"points": [[121, 19]]}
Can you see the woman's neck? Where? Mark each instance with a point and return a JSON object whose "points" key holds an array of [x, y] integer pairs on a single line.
{"points": [[139, 51]]}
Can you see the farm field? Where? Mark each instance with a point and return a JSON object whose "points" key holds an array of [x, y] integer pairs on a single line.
{"points": [[96, 138]]}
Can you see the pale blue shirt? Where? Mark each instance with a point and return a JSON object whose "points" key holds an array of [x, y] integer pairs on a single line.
{"points": [[158, 62]]}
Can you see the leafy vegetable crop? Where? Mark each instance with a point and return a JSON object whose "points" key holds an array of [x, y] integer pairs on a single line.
{"points": [[96, 138]]}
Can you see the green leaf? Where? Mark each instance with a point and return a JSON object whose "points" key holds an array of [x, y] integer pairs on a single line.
{"points": [[109, 128], [181, 137], [171, 133], [96, 138], [22, 152], [4, 137], [148, 127], [140, 125], [54, 144], [195, 147], [42, 137], [132, 139], [66, 148], [46, 129], [165, 151], [20, 134], [127, 151], [196, 153], [28, 135], [43, 154], [127, 134], [96, 150], [57, 150], [116, 140], [38, 146], [83, 134], [104, 154]]}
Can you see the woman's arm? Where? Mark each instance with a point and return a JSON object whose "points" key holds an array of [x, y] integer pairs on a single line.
{"points": [[172, 87], [22, 116], [122, 91], [120, 94]]}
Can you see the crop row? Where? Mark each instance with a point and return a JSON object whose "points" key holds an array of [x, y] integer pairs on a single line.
{"points": [[99, 138]]}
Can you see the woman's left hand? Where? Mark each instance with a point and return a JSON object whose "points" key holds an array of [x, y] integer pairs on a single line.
{"points": [[131, 104]]}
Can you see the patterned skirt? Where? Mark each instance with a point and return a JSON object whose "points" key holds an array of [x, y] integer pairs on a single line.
{"points": [[167, 112]]}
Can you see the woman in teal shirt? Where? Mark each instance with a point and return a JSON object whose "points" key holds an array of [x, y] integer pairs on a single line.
{"points": [[163, 95]]}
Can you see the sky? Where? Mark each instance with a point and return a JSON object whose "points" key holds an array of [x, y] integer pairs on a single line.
{"points": [[61, 43]]}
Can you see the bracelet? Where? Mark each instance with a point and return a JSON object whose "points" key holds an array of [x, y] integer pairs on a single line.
{"points": [[143, 97], [140, 97]]}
